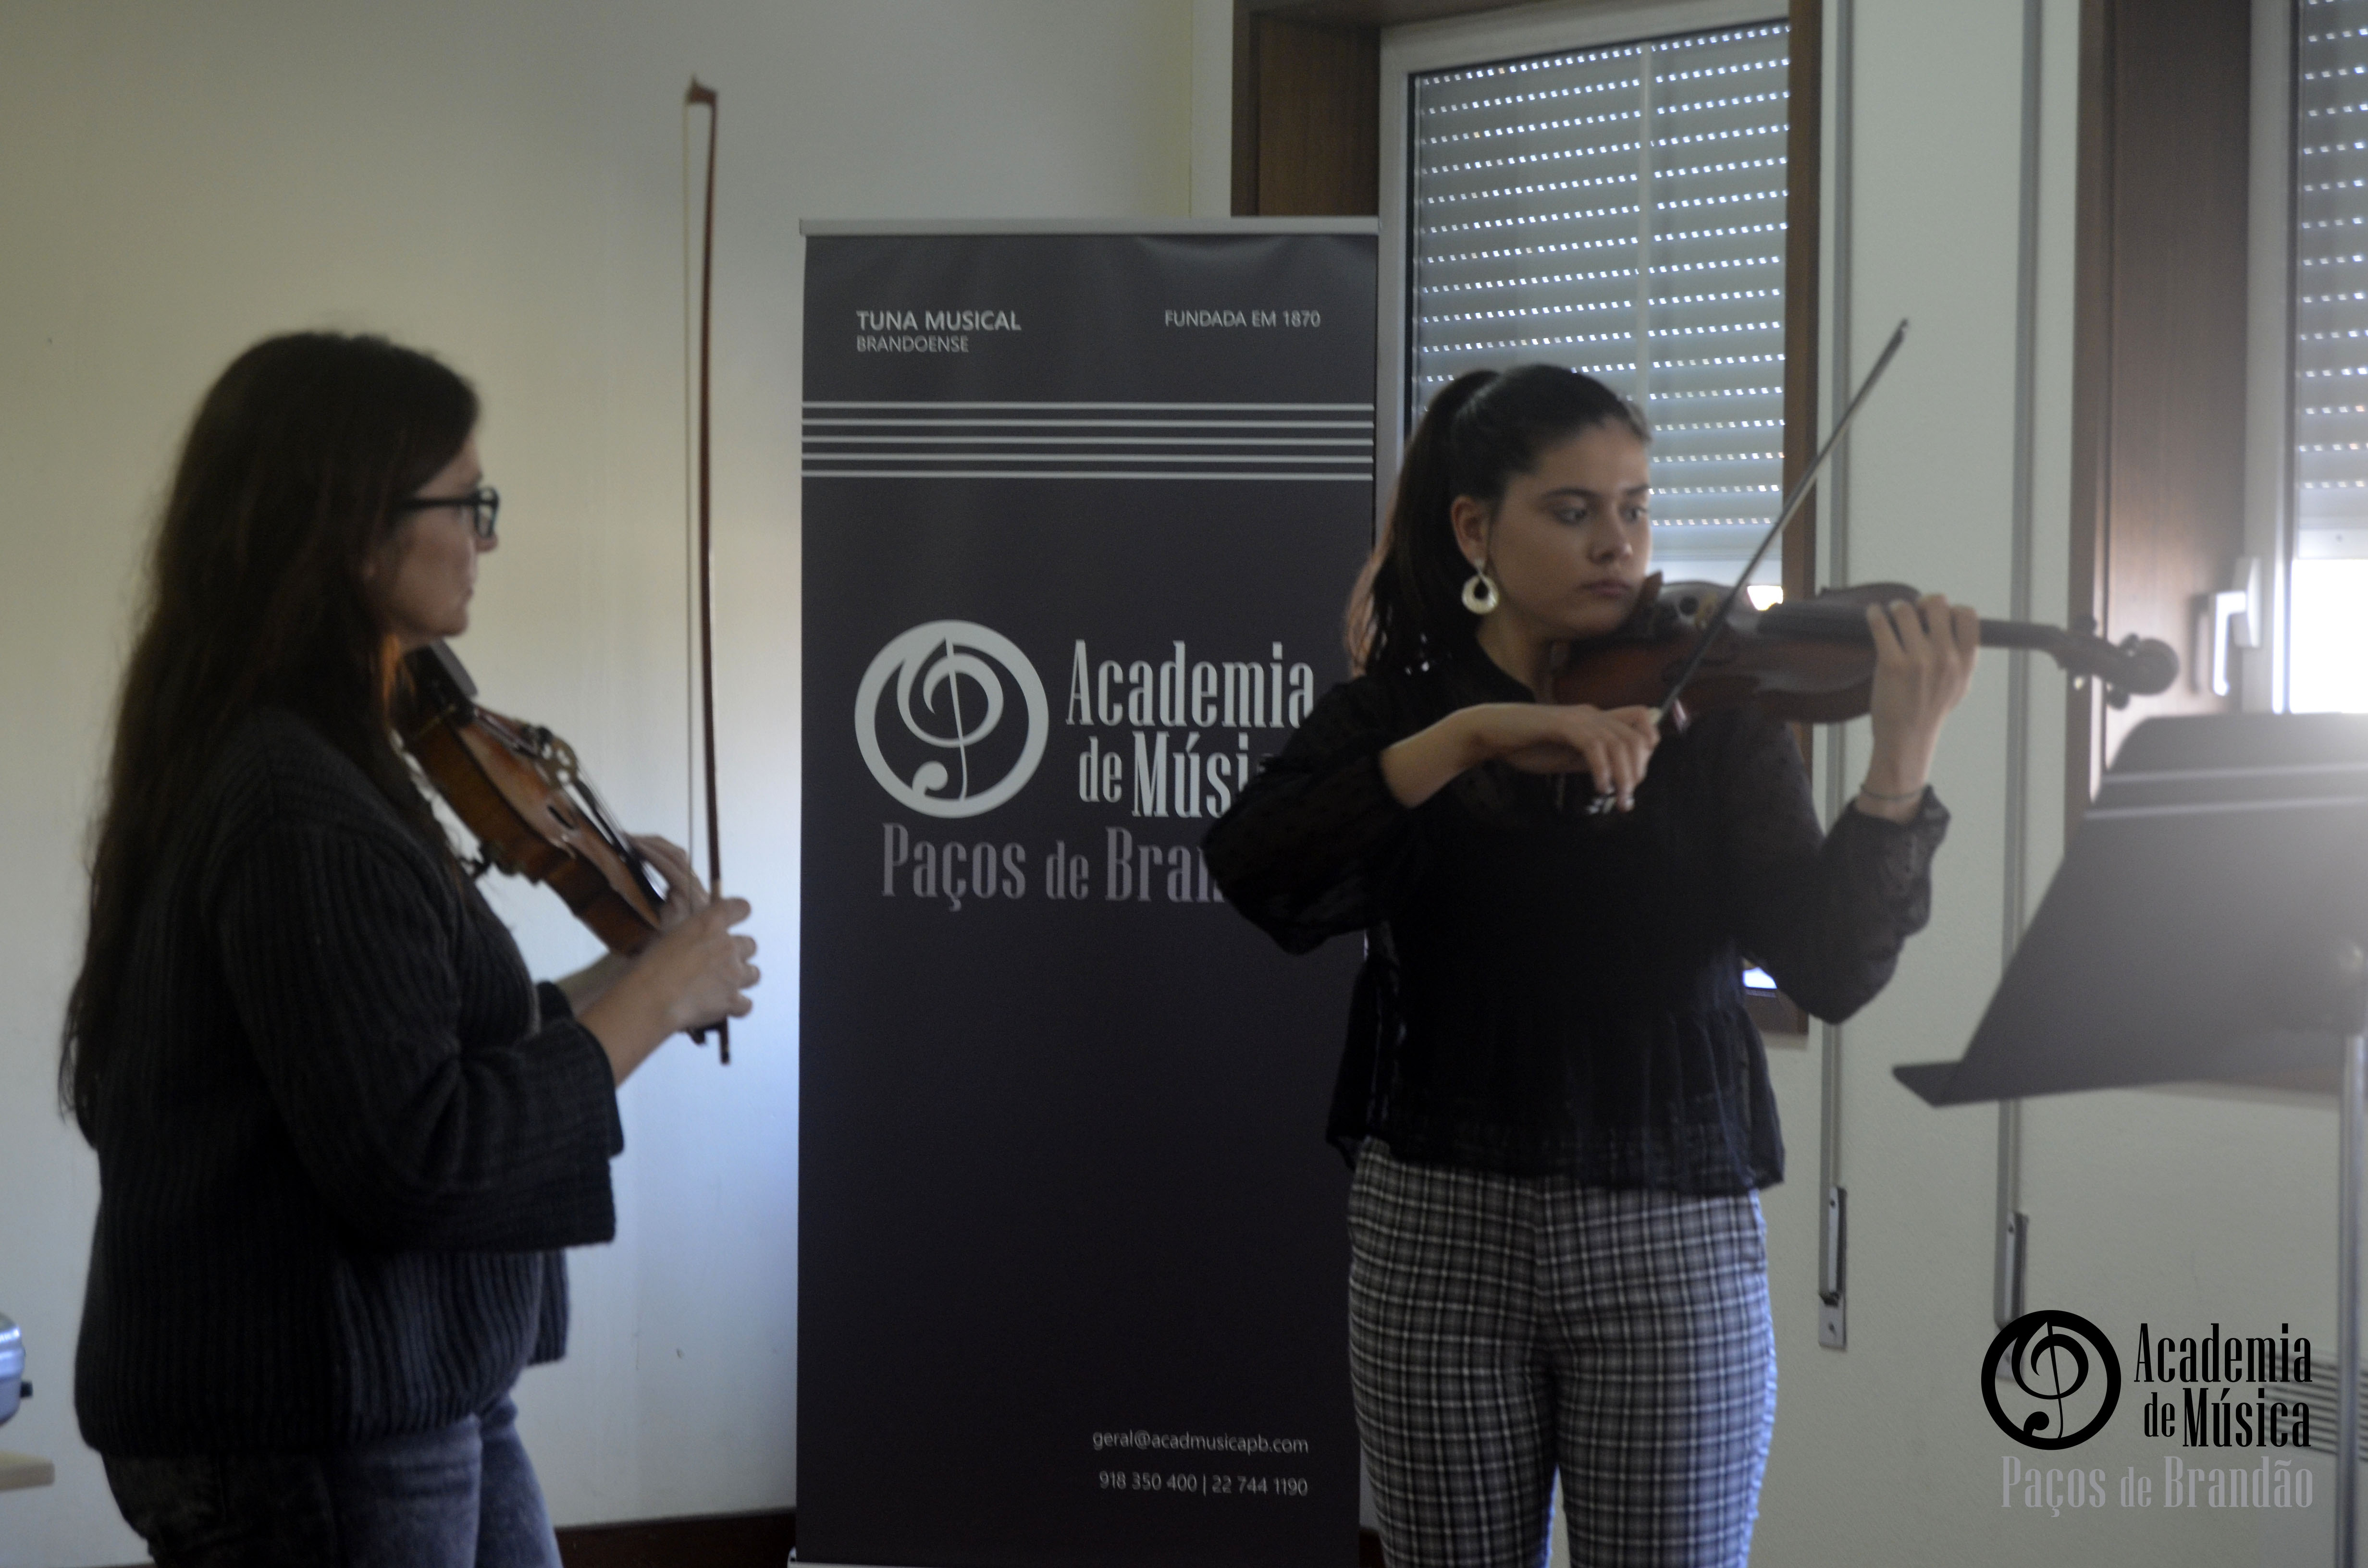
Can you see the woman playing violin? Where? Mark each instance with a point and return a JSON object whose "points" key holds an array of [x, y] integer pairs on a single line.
{"points": [[342, 1135], [1557, 1108]]}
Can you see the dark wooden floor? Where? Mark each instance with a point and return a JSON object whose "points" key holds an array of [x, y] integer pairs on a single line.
{"points": [[728, 1541], [731, 1541], [719, 1540]]}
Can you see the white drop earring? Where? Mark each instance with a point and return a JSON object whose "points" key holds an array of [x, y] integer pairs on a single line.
{"points": [[1480, 595]]}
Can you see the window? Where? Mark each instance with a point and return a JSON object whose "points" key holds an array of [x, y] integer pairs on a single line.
{"points": [[1619, 209], [1606, 188], [2327, 611]]}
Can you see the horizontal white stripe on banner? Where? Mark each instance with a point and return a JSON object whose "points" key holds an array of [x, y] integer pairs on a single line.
{"points": [[1113, 228], [1128, 424], [1303, 458], [1113, 440], [940, 402], [1365, 478]]}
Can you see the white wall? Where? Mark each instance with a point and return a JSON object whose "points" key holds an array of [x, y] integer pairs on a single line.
{"points": [[504, 185], [2172, 1209]]}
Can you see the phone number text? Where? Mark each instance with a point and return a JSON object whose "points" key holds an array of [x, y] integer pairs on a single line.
{"points": [[1193, 1483]]}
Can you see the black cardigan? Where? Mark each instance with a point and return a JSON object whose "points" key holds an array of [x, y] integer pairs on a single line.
{"points": [[340, 1136], [1549, 994]]}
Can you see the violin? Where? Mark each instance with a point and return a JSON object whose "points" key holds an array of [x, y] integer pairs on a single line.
{"points": [[520, 789], [1810, 661]]}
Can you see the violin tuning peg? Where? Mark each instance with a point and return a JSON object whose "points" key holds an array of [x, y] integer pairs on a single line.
{"points": [[2115, 697], [2086, 625]]}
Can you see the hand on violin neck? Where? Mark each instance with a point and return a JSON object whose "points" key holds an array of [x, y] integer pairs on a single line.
{"points": [[696, 972], [685, 894], [1924, 663], [1611, 747]]}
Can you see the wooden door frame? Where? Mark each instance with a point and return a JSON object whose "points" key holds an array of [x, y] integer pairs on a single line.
{"points": [[2139, 193]]}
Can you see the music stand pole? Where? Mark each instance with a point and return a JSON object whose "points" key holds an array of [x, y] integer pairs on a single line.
{"points": [[2354, 1139]]}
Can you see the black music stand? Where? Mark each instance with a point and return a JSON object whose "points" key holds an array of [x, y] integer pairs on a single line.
{"points": [[2210, 922]]}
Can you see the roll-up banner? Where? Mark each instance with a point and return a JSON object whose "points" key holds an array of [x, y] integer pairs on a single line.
{"points": [[1081, 510]]}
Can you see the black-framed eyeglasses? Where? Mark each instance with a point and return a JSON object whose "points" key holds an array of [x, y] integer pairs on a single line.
{"points": [[482, 505]]}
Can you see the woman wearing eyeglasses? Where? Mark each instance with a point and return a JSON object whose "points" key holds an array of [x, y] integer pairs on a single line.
{"points": [[342, 1135]]}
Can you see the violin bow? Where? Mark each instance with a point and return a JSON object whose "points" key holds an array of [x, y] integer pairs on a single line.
{"points": [[700, 93], [1800, 493]]}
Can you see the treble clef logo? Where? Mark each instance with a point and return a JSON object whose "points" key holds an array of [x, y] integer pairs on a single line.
{"points": [[2049, 1357], [950, 695]]}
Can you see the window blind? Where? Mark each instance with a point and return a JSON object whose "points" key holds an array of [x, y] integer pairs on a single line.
{"points": [[2331, 212], [1621, 210]]}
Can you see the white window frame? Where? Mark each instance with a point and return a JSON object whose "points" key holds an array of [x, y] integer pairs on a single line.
{"points": [[2261, 683], [1419, 46]]}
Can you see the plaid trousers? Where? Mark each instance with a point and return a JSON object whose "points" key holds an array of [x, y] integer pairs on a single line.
{"points": [[1501, 1328]]}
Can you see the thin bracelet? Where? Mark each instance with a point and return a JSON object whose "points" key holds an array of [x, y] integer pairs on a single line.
{"points": [[1915, 794]]}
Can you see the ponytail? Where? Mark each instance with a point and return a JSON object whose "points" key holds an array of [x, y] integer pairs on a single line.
{"points": [[1404, 598]]}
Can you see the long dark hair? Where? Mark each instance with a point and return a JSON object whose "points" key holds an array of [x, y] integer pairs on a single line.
{"points": [[1485, 426], [255, 595]]}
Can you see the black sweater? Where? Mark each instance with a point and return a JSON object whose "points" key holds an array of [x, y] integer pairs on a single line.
{"points": [[340, 1136], [1546, 993]]}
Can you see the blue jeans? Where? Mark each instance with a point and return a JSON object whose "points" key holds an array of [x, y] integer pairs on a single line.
{"points": [[465, 1494]]}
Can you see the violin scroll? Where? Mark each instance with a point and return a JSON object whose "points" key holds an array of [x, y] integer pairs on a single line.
{"points": [[2147, 664]]}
